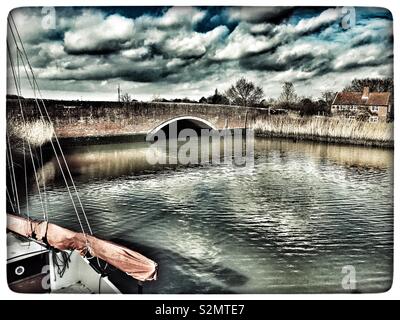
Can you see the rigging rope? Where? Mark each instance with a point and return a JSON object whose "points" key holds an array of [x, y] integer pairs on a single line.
{"points": [[9, 200], [11, 177], [29, 145], [23, 150], [14, 180], [43, 179], [26, 180], [33, 83], [62, 262]]}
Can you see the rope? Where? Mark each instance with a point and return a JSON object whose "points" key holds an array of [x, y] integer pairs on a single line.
{"points": [[44, 180], [23, 153], [61, 263], [26, 180], [34, 86], [29, 145], [14, 182], [9, 200], [11, 176], [33, 83]]}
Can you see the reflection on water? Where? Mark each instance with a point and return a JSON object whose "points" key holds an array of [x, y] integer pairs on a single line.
{"points": [[100, 161], [289, 224], [340, 154], [107, 161]]}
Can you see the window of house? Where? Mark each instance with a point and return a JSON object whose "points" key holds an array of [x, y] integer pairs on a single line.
{"points": [[374, 108], [373, 119]]}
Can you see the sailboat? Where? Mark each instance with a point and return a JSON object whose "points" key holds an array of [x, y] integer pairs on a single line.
{"points": [[42, 256]]}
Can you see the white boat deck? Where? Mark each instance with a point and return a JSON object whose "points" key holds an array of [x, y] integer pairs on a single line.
{"points": [[74, 288], [19, 247]]}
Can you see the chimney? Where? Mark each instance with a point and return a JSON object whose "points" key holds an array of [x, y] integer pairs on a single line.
{"points": [[365, 94]]}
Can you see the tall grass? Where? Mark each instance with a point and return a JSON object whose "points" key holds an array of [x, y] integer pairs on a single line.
{"points": [[36, 132], [326, 129]]}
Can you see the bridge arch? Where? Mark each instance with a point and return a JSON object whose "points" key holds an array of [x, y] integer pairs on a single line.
{"points": [[197, 122]]}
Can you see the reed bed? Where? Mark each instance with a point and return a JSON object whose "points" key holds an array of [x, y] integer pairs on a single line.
{"points": [[36, 132], [326, 129]]}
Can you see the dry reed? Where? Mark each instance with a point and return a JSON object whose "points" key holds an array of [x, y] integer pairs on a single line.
{"points": [[326, 129], [36, 132]]}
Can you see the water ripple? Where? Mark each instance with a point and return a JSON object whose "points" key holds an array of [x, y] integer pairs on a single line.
{"points": [[290, 224]]}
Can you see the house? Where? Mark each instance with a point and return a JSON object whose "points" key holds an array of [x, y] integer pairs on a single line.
{"points": [[364, 106]]}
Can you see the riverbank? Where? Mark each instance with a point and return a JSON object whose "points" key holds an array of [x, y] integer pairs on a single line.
{"points": [[325, 129], [320, 129]]}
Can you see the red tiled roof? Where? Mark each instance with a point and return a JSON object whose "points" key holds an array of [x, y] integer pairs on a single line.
{"points": [[354, 98]]}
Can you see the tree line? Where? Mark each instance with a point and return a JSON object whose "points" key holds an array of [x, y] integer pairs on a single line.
{"points": [[246, 93]]}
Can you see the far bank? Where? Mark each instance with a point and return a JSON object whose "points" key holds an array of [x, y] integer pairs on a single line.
{"points": [[87, 122]]}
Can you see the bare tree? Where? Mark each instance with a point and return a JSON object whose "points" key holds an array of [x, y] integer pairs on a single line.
{"points": [[288, 95], [328, 96], [245, 93], [126, 98], [374, 85]]}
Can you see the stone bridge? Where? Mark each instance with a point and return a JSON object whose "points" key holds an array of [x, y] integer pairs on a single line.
{"points": [[76, 119]]}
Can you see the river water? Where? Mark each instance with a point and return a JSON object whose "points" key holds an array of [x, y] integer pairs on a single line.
{"points": [[305, 213]]}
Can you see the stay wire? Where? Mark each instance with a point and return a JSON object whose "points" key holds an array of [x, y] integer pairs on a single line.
{"points": [[35, 85], [24, 122]]}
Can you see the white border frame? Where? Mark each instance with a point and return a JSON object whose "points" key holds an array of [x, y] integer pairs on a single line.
{"points": [[393, 293]]}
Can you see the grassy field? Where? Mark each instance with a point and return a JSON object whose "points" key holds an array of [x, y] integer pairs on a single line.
{"points": [[326, 129]]}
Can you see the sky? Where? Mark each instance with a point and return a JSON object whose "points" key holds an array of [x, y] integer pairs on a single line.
{"points": [[177, 52]]}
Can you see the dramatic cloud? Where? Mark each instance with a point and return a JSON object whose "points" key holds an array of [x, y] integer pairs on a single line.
{"points": [[241, 43], [187, 45], [94, 33], [327, 17], [188, 51], [368, 55], [135, 54], [177, 17], [250, 39]]}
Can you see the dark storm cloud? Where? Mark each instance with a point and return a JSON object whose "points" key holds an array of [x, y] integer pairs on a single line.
{"points": [[97, 74], [202, 47], [99, 49], [273, 15], [312, 60]]}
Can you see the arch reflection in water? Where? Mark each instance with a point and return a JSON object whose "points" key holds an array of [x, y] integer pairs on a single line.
{"points": [[114, 160]]}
